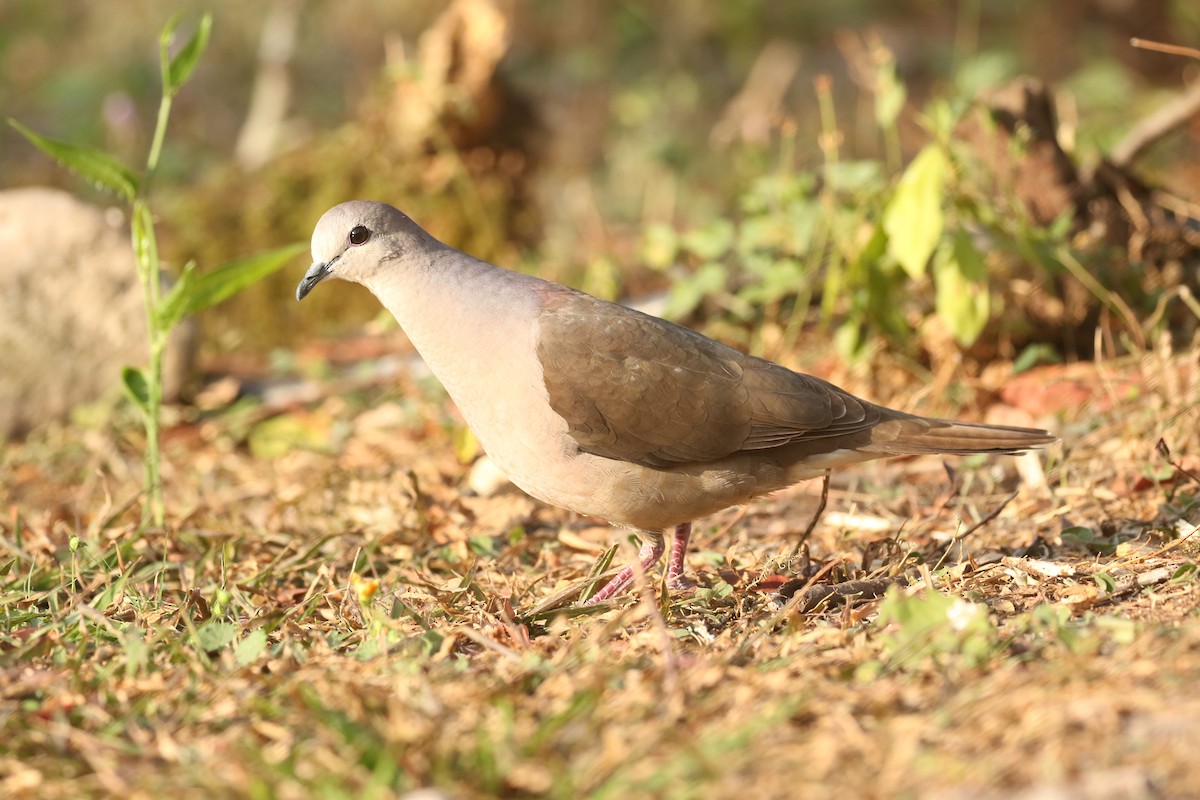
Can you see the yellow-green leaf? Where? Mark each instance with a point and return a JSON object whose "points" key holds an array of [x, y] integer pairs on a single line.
{"points": [[251, 647], [913, 219], [659, 246], [174, 304], [890, 94], [466, 446], [960, 277], [214, 635], [707, 281], [180, 68], [710, 242]]}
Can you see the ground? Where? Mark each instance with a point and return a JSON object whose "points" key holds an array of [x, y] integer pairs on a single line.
{"points": [[328, 612]]}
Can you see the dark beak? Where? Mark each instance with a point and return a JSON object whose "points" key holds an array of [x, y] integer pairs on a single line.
{"points": [[316, 273]]}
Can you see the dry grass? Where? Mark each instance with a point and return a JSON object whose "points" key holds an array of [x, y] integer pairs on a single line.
{"points": [[1054, 650]]}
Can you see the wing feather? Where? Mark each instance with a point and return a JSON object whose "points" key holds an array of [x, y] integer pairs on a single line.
{"points": [[636, 388]]}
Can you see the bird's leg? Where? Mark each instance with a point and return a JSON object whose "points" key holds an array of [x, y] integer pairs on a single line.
{"points": [[679, 546], [651, 552]]}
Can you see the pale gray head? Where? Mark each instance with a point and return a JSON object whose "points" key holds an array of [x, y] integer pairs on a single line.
{"points": [[354, 240]]}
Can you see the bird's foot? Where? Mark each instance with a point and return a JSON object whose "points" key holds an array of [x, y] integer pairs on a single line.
{"points": [[648, 556], [612, 588], [676, 580], [681, 583]]}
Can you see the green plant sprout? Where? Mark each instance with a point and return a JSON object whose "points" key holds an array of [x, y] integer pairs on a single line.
{"points": [[190, 292]]}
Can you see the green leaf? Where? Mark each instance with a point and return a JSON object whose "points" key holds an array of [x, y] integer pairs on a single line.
{"points": [[803, 221], [710, 242], [1105, 582], [274, 437], [762, 234], [1186, 572], [1033, 355], [708, 280], [850, 340], [784, 278], [253, 645], [214, 635], [180, 68], [602, 278], [173, 307], [915, 627], [1079, 534], [659, 246], [100, 168], [1122, 631], [982, 71], [483, 546], [137, 388], [767, 194], [880, 285], [913, 219], [890, 94], [854, 176], [940, 117], [228, 279], [960, 276], [1087, 538]]}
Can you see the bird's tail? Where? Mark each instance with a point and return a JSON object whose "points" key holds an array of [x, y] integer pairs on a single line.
{"points": [[912, 435]]}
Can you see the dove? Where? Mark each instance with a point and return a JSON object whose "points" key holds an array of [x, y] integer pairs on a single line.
{"points": [[609, 412]]}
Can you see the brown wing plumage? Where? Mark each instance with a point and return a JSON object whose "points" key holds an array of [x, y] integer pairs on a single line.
{"points": [[640, 389]]}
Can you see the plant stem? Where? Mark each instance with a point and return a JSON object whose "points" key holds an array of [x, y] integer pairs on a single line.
{"points": [[160, 134], [142, 226]]}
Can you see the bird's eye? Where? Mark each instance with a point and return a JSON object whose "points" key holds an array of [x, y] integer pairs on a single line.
{"points": [[359, 235]]}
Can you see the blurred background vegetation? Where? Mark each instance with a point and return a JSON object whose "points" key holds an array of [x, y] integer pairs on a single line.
{"points": [[634, 147]]}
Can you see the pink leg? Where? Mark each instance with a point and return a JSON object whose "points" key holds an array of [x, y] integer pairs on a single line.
{"points": [[675, 566], [651, 552]]}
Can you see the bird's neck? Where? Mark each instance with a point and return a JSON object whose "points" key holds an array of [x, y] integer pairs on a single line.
{"points": [[469, 320]]}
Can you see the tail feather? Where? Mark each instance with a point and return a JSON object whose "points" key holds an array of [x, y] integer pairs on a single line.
{"points": [[909, 435]]}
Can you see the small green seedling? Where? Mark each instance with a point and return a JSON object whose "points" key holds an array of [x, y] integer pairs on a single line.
{"points": [[191, 292]]}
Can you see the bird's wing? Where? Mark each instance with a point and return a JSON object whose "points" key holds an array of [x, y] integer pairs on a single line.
{"points": [[637, 388]]}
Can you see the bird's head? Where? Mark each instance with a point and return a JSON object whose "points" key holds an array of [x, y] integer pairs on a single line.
{"points": [[354, 240]]}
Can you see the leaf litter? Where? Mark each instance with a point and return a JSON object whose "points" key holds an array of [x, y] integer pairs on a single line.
{"points": [[329, 612]]}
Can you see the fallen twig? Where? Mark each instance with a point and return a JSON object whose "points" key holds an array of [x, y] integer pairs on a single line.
{"points": [[991, 515], [1084, 596], [814, 596], [787, 608], [1163, 47], [816, 517], [1039, 568]]}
